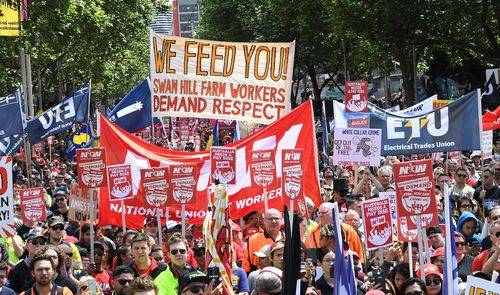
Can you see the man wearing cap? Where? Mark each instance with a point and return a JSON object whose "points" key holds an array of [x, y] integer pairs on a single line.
{"points": [[350, 236], [194, 282], [340, 191], [263, 255], [272, 233], [269, 281], [21, 274], [56, 238], [151, 227], [168, 230], [102, 276], [61, 200], [435, 237]]}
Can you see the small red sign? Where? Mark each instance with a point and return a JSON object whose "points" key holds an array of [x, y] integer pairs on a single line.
{"points": [[356, 96], [120, 182], [39, 147], [292, 173], [223, 165], [33, 205], [91, 164], [183, 179], [263, 168], [377, 223], [407, 230], [415, 191], [155, 186]]}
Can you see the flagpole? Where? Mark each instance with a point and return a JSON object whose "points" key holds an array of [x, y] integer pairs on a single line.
{"points": [[158, 220], [91, 197], [420, 251], [183, 213], [266, 201], [124, 227], [410, 257], [425, 241], [447, 244]]}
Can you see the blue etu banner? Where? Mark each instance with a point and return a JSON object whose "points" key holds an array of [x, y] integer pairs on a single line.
{"points": [[61, 116], [454, 127], [11, 117], [10, 145]]}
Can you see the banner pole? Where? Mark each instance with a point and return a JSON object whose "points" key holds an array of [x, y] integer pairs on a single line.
{"points": [[291, 215], [266, 201], [124, 226], [91, 192], [425, 241], [410, 257], [183, 213], [420, 251], [158, 220]]}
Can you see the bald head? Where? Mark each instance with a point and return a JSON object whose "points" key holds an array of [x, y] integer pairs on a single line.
{"points": [[272, 221], [325, 213]]}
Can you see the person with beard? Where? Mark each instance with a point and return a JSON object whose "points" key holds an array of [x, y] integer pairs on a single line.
{"points": [[122, 277], [43, 268]]}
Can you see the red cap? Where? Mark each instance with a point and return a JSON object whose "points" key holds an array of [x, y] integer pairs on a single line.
{"points": [[430, 269], [438, 252]]}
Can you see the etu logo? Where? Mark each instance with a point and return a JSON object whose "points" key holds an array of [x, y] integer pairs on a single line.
{"points": [[396, 126]]}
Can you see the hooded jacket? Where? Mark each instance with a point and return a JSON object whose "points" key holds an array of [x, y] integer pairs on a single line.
{"points": [[467, 216]]}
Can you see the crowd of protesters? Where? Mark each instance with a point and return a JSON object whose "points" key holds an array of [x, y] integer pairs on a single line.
{"points": [[53, 257]]}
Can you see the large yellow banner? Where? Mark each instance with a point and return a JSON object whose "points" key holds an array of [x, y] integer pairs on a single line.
{"points": [[9, 18]]}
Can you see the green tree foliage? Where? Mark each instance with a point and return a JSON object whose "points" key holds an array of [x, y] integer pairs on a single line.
{"points": [[74, 41]]}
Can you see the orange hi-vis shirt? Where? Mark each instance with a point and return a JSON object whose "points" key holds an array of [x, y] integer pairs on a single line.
{"points": [[255, 243], [350, 234]]}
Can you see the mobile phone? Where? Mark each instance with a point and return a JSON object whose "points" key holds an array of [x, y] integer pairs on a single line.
{"points": [[92, 286], [213, 273], [302, 266], [377, 277]]}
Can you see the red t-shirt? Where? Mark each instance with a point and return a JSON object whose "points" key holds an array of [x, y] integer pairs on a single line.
{"points": [[477, 264], [103, 280], [144, 272]]}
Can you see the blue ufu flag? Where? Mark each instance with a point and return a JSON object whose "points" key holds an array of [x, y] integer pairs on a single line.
{"points": [[133, 112], [10, 145], [61, 117], [11, 118]]}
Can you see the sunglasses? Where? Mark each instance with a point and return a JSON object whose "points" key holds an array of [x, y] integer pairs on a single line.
{"points": [[497, 234], [57, 227], [461, 175], [415, 293], [60, 200], [37, 242], [84, 288], [70, 254], [434, 281], [175, 251], [466, 206], [99, 253], [196, 289], [459, 244], [123, 282]]}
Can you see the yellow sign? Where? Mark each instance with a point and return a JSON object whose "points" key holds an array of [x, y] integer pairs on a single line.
{"points": [[436, 104], [9, 18]]}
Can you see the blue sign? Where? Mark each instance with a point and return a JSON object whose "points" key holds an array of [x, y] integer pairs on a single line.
{"points": [[11, 117], [358, 120], [10, 145]]}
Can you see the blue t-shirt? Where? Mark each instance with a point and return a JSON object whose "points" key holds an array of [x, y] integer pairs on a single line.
{"points": [[240, 281]]}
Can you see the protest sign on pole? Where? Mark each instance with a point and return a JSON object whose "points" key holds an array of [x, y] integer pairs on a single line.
{"points": [[377, 223], [415, 191], [248, 82], [120, 182], [356, 147], [91, 168], [33, 205], [292, 180], [487, 144], [91, 165], [356, 96], [478, 286], [183, 179], [79, 204], [7, 228], [263, 171], [154, 182], [223, 165]]}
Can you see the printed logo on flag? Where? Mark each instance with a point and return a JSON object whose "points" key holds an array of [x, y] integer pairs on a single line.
{"points": [[291, 173], [155, 186], [120, 182], [33, 205], [263, 168], [356, 96], [377, 223], [223, 165], [183, 180], [91, 164]]}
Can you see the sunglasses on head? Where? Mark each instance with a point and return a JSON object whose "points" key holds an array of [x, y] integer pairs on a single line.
{"points": [[123, 282], [196, 289], [175, 251], [435, 281], [57, 227]]}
